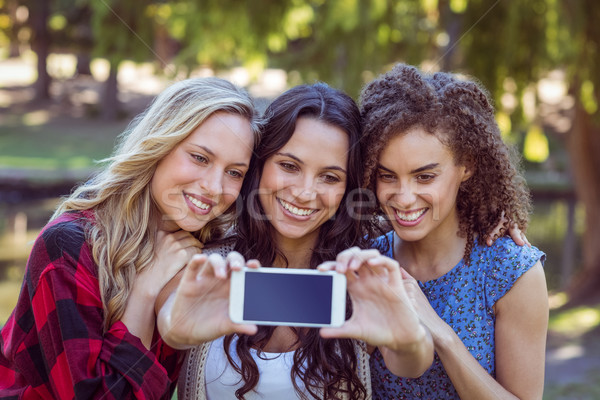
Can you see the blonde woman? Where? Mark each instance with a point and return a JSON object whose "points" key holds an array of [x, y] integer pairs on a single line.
{"points": [[84, 325]]}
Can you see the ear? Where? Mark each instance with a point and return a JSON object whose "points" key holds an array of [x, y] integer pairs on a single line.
{"points": [[468, 171]]}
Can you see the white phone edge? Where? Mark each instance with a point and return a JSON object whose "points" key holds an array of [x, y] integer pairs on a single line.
{"points": [[338, 294]]}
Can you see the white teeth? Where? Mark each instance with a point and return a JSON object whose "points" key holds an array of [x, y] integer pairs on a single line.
{"points": [[410, 217], [197, 202], [295, 210]]}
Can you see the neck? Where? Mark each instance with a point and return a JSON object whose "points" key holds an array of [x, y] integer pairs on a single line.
{"points": [[297, 251], [432, 256]]}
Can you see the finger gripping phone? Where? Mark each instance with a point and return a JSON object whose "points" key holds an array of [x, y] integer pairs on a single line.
{"points": [[287, 296]]}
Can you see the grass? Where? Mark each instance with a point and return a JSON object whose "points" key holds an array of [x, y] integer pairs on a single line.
{"points": [[574, 344], [575, 391], [9, 293], [57, 146], [576, 321]]}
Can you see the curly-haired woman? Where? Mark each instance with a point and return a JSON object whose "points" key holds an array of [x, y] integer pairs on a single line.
{"points": [[296, 215], [443, 176], [84, 324]]}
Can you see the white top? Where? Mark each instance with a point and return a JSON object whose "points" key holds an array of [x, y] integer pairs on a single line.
{"points": [[195, 378], [275, 380]]}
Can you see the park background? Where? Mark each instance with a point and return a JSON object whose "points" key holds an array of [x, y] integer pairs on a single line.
{"points": [[74, 72]]}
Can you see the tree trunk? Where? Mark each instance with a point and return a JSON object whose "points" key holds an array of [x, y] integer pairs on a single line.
{"points": [[453, 24], [39, 14], [583, 144], [110, 102], [83, 64], [14, 49]]}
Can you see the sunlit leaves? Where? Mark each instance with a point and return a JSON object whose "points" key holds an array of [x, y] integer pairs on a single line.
{"points": [[588, 99], [536, 145], [297, 23], [57, 22], [458, 6]]}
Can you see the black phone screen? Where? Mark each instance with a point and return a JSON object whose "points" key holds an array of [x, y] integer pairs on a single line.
{"points": [[288, 298]]}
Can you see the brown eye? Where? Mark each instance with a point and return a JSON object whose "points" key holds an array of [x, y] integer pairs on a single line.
{"points": [[425, 178], [288, 166], [385, 177], [331, 179]]}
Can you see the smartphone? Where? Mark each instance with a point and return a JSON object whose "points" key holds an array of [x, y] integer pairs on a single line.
{"points": [[287, 296]]}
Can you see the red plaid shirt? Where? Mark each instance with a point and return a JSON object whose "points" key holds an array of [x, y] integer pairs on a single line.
{"points": [[53, 344]]}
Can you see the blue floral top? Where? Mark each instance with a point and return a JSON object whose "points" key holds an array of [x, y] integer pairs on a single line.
{"points": [[464, 297]]}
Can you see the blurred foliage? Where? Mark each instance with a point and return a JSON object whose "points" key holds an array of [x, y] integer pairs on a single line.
{"points": [[506, 45], [344, 42], [510, 46]]}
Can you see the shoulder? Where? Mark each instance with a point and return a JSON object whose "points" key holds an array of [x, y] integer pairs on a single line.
{"points": [[384, 244], [64, 234], [221, 247], [505, 253], [61, 244], [503, 264]]}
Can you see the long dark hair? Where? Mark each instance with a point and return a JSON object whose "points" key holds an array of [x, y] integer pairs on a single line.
{"points": [[327, 367]]}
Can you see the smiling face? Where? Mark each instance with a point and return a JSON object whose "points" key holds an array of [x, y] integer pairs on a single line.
{"points": [[303, 183], [202, 176], [417, 185]]}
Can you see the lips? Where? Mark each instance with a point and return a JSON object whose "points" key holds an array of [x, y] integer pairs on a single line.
{"points": [[300, 212], [199, 206], [409, 218]]}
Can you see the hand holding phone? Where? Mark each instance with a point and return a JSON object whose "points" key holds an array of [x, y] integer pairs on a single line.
{"points": [[287, 296], [198, 310], [382, 313]]}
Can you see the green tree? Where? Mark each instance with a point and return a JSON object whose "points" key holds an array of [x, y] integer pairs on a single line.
{"points": [[524, 40], [122, 31], [345, 42], [222, 33], [39, 12]]}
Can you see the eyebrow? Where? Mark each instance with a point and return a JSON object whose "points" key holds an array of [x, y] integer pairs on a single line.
{"points": [[414, 171], [209, 151], [293, 157], [425, 168]]}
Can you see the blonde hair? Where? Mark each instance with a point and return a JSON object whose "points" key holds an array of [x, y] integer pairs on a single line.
{"points": [[122, 235]]}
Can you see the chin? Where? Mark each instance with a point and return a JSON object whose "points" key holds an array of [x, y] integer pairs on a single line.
{"points": [[191, 226], [407, 235]]}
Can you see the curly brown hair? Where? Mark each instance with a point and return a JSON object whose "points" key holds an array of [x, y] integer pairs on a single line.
{"points": [[460, 114]]}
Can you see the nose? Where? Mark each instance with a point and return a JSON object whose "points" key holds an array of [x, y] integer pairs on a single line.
{"points": [[405, 195], [305, 190], [212, 182]]}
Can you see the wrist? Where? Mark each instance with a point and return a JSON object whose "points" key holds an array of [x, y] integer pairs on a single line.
{"points": [[412, 346], [142, 292], [412, 360], [166, 328], [444, 338]]}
